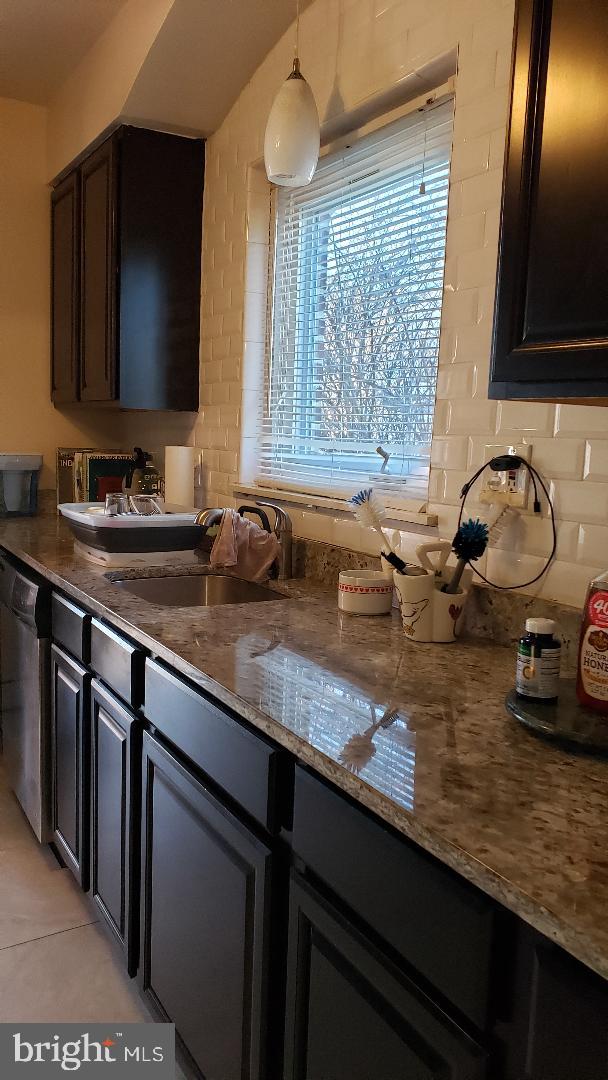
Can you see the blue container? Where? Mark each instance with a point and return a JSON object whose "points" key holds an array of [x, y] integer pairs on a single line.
{"points": [[19, 484]]}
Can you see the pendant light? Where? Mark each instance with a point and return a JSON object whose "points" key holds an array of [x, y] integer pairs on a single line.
{"points": [[292, 139]]}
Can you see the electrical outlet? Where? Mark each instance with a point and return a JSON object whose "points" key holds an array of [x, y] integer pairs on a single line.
{"points": [[506, 488]]}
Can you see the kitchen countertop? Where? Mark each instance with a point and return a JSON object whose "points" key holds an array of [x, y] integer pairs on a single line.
{"points": [[521, 819]]}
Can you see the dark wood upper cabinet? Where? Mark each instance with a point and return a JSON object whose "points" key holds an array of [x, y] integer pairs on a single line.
{"points": [[127, 225], [551, 318], [65, 233], [97, 276]]}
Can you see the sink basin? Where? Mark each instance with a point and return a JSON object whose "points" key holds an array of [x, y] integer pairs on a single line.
{"points": [[197, 590]]}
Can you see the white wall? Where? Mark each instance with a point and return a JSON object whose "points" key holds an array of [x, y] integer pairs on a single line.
{"points": [[350, 50]]}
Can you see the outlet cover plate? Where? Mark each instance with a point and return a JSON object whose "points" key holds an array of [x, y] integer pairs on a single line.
{"points": [[506, 488]]}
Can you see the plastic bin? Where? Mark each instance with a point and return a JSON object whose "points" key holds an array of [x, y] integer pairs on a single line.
{"points": [[19, 484]]}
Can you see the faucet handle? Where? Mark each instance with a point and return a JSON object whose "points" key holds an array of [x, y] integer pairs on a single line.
{"points": [[282, 522]]}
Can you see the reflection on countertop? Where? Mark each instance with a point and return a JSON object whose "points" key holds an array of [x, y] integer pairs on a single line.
{"points": [[521, 819]]}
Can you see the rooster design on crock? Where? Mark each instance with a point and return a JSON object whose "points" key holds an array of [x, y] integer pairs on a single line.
{"points": [[411, 614]]}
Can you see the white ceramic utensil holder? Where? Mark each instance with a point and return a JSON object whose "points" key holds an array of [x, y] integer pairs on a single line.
{"points": [[427, 613]]}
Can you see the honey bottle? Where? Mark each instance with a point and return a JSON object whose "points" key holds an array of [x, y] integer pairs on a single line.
{"points": [[592, 673]]}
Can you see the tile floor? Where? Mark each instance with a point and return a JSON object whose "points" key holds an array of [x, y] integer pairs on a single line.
{"points": [[56, 963]]}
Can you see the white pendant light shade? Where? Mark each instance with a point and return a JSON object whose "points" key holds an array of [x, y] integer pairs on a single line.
{"points": [[292, 139]]}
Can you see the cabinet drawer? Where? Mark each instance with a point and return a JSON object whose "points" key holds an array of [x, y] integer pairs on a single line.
{"points": [[117, 662], [248, 767], [438, 923], [72, 628]]}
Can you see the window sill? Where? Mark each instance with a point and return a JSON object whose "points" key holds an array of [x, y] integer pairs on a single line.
{"points": [[416, 515]]}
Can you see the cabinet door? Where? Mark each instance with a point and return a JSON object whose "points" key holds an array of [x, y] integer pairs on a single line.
{"points": [[65, 234], [557, 1025], [205, 925], [551, 324], [352, 1016], [70, 685], [115, 760], [97, 276]]}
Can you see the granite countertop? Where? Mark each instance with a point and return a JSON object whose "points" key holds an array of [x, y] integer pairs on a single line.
{"points": [[521, 819]]}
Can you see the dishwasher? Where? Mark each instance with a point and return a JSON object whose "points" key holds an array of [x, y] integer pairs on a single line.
{"points": [[25, 649]]}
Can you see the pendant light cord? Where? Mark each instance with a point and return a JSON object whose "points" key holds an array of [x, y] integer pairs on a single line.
{"points": [[297, 43]]}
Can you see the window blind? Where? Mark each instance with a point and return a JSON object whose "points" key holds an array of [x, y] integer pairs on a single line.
{"points": [[356, 290]]}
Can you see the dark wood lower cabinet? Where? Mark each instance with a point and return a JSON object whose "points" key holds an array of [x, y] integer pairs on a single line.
{"points": [[352, 1016], [558, 1023], [204, 921], [70, 685], [115, 743]]}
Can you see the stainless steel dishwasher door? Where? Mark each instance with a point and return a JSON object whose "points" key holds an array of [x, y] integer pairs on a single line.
{"points": [[25, 695]]}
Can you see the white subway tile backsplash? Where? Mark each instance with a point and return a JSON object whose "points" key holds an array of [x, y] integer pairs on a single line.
{"points": [[560, 459], [518, 418], [481, 192], [465, 233], [533, 535], [593, 545], [582, 502], [450, 453], [596, 460], [470, 157], [472, 343], [476, 267], [588, 421], [456, 381], [471, 417], [568, 581], [460, 308], [509, 568], [482, 115]]}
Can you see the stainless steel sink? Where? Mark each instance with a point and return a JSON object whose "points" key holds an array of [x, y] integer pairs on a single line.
{"points": [[197, 590]]}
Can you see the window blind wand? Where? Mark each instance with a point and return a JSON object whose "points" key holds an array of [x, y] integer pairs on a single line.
{"points": [[384, 454]]}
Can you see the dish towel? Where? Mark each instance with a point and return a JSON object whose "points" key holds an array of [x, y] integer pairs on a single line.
{"points": [[243, 548]]}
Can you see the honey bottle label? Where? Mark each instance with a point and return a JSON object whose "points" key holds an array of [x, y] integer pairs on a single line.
{"points": [[593, 661]]}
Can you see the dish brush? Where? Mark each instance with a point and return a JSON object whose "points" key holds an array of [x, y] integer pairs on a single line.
{"points": [[370, 512], [360, 749], [468, 545]]}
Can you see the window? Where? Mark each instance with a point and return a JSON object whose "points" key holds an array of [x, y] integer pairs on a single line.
{"points": [[357, 286]]}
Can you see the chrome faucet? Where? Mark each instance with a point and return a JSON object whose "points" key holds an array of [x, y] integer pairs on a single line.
{"points": [[208, 517], [283, 532]]}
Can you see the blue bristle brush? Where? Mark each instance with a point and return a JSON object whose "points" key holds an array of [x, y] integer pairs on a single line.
{"points": [[469, 544]]}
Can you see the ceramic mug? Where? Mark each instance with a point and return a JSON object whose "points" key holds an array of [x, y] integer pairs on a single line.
{"points": [[448, 609], [427, 613], [416, 604]]}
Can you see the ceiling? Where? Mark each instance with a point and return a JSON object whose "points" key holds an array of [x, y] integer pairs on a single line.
{"points": [[42, 41], [205, 53]]}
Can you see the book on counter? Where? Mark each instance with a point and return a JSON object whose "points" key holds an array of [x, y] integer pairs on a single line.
{"points": [[85, 474]]}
